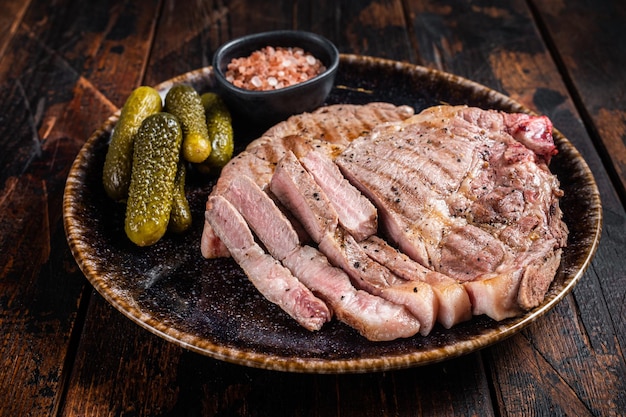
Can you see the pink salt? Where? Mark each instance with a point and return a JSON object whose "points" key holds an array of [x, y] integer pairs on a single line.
{"points": [[272, 68]]}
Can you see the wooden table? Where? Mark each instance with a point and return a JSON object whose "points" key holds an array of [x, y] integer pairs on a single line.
{"points": [[66, 66]]}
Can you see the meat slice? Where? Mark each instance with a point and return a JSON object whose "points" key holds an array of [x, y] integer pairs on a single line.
{"points": [[268, 275], [355, 212], [467, 193], [263, 216], [373, 317], [296, 189], [454, 302], [328, 130]]}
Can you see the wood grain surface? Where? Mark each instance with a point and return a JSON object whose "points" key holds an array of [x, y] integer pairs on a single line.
{"points": [[66, 66]]}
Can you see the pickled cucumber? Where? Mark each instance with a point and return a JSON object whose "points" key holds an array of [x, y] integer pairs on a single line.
{"points": [[142, 102], [183, 101], [180, 216], [155, 162], [220, 128]]}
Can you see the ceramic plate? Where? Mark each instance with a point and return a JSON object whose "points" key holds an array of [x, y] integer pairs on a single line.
{"points": [[208, 306]]}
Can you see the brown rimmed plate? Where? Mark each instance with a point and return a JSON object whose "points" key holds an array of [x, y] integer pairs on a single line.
{"points": [[208, 306]]}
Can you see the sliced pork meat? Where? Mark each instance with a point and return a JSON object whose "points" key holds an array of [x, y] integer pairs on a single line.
{"points": [[354, 211], [454, 302], [297, 190], [327, 130], [268, 275], [374, 317], [416, 296], [267, 221], [459, 193], [395, 221]]}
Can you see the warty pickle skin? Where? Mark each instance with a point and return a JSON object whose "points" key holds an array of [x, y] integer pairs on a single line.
{"points": [[180, 216], [141, 103], [219, 124], [155, 162], [183, 101]]}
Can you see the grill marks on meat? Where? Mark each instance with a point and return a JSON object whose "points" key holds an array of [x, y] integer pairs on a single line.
{"points": [[489, 210], [463, 195]]}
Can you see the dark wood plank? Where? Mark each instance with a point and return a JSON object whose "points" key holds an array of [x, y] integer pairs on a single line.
{"points": [[41, 289], [594, 56], [375, 28], [106, 44], [120, 368], [44, 123], [10, 19], [590, 44], [561, 356], [188, 36], [492, 44]]}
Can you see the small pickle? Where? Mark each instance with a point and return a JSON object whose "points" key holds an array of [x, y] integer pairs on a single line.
{"points": [[151, 192], [180, 216], [142, 102], [219, 123], [183, 101]]}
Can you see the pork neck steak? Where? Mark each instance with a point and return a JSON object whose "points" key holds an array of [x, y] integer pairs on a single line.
{"points": [[422, 218], [468, 193]]}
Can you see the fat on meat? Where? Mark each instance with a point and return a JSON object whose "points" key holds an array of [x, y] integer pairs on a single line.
{"points": [[454, 302], [417, 297], [373, 317]]}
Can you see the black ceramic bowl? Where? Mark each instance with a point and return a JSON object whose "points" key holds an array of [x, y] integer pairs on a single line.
{"points": [[272, 106]]}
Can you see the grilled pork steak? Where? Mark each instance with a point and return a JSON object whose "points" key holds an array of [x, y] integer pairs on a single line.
{"points": [[394, 221]]}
